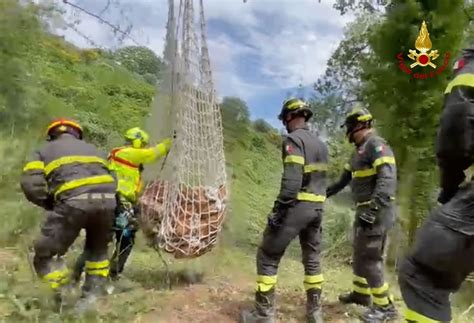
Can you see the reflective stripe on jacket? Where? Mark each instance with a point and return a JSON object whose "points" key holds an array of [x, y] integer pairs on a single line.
{"points": [[126, 161], [305, 159], [374, 172], [63, 168]]}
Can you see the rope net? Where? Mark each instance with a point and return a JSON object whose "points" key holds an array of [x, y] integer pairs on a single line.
{"points": [[184, 202]]}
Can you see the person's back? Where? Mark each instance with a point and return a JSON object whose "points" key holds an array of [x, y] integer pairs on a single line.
{"points": [[315, 155], [69, 178]]}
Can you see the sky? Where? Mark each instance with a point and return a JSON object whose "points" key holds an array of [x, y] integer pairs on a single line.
{"points": [[261, 51]]}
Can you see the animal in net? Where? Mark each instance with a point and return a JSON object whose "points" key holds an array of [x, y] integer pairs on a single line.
{"points": [[184, 202]]}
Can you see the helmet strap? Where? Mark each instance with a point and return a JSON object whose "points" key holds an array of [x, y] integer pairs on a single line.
{"points": [[360, 126]]}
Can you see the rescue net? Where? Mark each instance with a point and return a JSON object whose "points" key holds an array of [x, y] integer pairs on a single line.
{"points": [[184, 202]]}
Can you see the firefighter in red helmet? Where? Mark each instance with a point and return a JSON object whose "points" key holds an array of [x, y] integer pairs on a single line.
{"points": [[70, 179]]}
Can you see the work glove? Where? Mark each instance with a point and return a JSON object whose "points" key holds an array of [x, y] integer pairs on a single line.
{"points": [[368, 217], [330, 191], [167, 143], [49, 203], [278, 213]]}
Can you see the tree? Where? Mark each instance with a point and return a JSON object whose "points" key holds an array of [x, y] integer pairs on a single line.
{"points": [[236, 121], [140, 60], [341, 86], [370, 6], [262, 126]]}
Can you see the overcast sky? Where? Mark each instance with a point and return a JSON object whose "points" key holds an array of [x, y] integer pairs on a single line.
{"points": [[260, 50]]}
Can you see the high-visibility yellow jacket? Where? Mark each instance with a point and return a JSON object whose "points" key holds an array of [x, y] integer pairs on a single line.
{"points": [[126, 163]]}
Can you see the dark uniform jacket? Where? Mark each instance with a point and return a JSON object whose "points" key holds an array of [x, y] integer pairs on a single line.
{"points": [[455, 149], [64, 168], [371, 172], [305, 159], [455, 138]]}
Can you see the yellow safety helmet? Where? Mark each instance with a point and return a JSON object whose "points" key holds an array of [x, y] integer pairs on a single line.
{"points": [[138, 137], [295, 105], [358, 118], [358, 114], [60, 126]]}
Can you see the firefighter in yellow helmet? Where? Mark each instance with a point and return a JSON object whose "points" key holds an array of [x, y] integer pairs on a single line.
{"points": [[127, 162], [297, 211], [371, 172], [69, 178]]}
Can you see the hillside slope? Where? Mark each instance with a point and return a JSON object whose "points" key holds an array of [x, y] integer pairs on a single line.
{"points": [[44, 77]]}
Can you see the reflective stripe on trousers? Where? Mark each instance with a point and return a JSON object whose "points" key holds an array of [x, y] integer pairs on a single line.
{"points": [[98, 268], [265, 283], [57, 278], [313, 281]]}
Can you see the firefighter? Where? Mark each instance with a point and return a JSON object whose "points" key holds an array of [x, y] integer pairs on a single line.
{"points": [[70, 180], [297, 211], [443, 252], [372, 175], [127, 163]]}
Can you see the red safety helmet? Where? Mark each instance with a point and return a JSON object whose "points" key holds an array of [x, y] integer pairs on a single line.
{"points": [[64, 126]]}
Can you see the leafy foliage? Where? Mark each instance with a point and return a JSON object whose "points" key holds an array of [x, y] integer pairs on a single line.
{"points": [[261, 125], [140, 60]]}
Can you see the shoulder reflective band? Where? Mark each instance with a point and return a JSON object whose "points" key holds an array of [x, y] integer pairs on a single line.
{"points": [[364, 172], [383, 160], [121, 160], [309, 197], [347, 167], [466, 79], [294, 159], [34, 165], [316, 167], [102, 179], [55, 164]]}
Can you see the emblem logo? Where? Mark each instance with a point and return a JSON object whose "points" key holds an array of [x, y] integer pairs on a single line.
{"points": [[423, 56]]}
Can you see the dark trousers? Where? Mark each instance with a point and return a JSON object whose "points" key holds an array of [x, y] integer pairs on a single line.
{"points": [[124, 241], [61, 228], [441, 258], [369, 246], [123, 247], [303, 220]]}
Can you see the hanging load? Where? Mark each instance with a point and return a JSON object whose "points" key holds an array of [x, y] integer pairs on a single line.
{"points": [[184, 202]]}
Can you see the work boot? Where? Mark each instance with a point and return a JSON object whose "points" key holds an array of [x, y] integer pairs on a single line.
{"points": [[355, 298], [313, 306], [378, 314], [94, 287], [264, 311]]}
